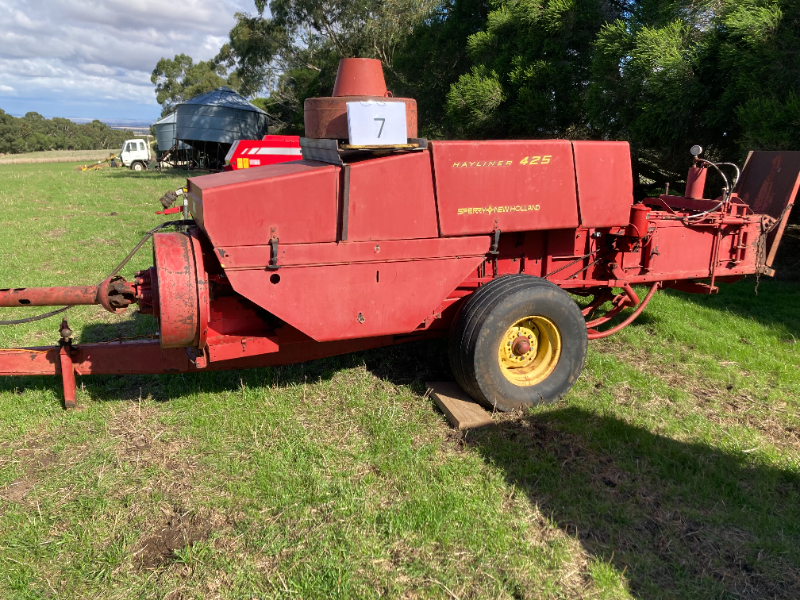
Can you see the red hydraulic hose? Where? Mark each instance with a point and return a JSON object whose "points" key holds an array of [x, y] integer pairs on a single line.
{"points": [[596, 335]]}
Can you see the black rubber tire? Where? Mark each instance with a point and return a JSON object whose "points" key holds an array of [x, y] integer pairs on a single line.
{"points": [[481, 323], [137, 166]]}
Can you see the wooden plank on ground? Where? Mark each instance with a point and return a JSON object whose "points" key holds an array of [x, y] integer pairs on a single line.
{"points": [[461, 410]]}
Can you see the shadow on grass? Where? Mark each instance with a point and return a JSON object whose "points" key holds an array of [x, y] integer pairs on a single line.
{"points": [[409, 364], [681, 520], [777, 300]]}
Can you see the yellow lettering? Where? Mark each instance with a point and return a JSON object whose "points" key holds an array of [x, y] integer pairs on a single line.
{"points": [[508, 162], [524, 161], [546, 159], [491, 164], [455, 164], [464, 165], [535, 160]]}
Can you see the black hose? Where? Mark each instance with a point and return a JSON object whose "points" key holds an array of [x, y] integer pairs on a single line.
{"points": [[37, 317], [114, 272]]}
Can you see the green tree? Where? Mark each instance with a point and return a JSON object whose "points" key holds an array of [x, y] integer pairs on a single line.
{"points": [[530, 67], [724, 74], [180, 79], [433, 57], [294, 54], [33, 133]]}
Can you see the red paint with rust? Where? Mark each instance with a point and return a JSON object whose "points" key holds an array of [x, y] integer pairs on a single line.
{"points": [[357, 80], [179, 309], [49, 296]]}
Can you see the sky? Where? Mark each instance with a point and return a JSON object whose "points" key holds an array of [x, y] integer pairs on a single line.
{"points": [[93, 59]]}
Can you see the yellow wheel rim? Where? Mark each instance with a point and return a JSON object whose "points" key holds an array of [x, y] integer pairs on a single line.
{"points": [[529, 351]]}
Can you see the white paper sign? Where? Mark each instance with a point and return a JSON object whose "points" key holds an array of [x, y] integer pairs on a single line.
{"points": [[376, 123]]}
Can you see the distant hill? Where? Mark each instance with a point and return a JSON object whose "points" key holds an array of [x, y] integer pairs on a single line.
{"points": [[139, 126]]}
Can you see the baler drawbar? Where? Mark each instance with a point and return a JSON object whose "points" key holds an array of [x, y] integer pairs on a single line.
{"points": [[357, 247]]}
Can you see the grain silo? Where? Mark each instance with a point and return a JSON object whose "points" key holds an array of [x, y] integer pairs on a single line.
{"points": [[211, 122], [165, 132]]}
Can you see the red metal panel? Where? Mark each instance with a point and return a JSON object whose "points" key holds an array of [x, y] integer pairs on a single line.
{"points": [[508, 185], [391, 199], [770, 181], [134, 358], [605, 182], [769, 185], [355, 300], [203, 299], [179, 319], [249, 257], [245, 154], [296, 202], [240, 346]]}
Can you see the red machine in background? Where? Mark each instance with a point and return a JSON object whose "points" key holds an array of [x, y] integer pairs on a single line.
{"points": [[269, 150], [354, 248]]}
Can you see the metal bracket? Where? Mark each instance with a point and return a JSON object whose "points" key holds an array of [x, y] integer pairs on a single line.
{"points": [[65, 363], [495, 242], [273, 259]]}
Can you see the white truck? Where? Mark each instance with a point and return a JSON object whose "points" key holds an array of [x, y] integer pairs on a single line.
{"points": [[135, 154]]}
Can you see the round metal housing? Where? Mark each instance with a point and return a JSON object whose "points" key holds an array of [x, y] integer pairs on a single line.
{"points": [[357, 80]]}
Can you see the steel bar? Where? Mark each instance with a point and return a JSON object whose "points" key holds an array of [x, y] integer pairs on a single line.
{"points": [[49, 296]]}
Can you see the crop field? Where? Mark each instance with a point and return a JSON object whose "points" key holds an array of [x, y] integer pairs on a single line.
{"points": [[671, 470]]}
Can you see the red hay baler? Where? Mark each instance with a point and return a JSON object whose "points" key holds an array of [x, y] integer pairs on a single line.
{"points": [[358, 247]]}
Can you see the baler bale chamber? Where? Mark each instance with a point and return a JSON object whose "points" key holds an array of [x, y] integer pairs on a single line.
{"points": [[479, 241]]}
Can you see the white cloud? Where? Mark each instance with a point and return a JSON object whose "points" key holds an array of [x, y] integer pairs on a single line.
{"points": [[99, 55]]}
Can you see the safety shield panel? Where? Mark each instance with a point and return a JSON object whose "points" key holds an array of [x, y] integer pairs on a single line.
{"points": [[389, 199], [294, 202], [605, 182]]}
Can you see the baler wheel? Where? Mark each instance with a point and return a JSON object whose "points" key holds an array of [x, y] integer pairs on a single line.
{"points": [[137, 166], [518, 341]]}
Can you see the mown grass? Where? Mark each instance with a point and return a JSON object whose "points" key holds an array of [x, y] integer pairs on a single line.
{"points": [[55, 156], [672, 470]]}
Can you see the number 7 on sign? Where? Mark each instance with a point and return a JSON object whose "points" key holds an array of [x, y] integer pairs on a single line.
{"points": [[383, 122]]}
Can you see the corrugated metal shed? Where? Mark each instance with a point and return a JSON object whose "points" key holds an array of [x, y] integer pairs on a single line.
{"points": [[221, 116], [165, 132]]}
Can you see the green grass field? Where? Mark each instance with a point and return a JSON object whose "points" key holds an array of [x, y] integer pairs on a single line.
{"points": [[672, 470]]}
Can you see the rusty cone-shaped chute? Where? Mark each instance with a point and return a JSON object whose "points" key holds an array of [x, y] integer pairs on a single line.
{"points": [[357, 80]]}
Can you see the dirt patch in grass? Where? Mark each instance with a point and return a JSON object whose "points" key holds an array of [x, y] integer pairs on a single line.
{"points": [[143, 441], [35, 460], [180, 529], [17, 490]]}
